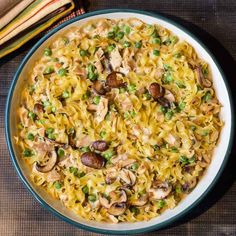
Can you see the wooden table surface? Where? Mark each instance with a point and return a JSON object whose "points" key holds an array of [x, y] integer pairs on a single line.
{"points": [[212, 20]]}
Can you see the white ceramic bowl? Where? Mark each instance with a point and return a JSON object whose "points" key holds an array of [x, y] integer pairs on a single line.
{"points": [[211, 175]]}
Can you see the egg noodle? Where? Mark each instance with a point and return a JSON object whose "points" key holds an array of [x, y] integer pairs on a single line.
{"points": [[119, 120]]}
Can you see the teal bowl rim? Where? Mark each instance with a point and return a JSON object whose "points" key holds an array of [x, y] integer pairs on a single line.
{"points": [[55, 212]]}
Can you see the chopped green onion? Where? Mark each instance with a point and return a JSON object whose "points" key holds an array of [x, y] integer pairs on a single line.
{"points": [[31, 115], [57, 185], [85, 149], [134, 210], [46, 103], [85, 189], [27, 153], [53, 109], [71, 131], [122, 90], [120, 35], [182, 105], [138, 44], [92, 198], [96, 100], [207, 96], [73, 170], [167, 67], [156, 41], [184, 160], [205, 132], [168, 78], [127, 29], [127, 44], [48, 70], [115, 28], [177, 55], [65, 94], [111, 35], [131, 88], [174, 149], [147, 96], [83, 53], [103, 134], [163, 109], [92, 76], [156, 52], [61, 152], [135, 166], [154, 34], [30, 137], [156, 147], [180, 84], [205, 71], [47, 52], [133, 113], [52, 136], [192, 159], [65, 40], [108, 154], [126, 115], [111, 47], [169, 115], [178, 189], [62, 72], [161, 203], [49, 130]]}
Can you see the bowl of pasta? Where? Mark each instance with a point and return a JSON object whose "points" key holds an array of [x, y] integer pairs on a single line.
{"points": [[119, 121]]}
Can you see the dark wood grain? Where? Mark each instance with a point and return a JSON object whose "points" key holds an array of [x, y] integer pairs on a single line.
{"points": [[214, 21]]}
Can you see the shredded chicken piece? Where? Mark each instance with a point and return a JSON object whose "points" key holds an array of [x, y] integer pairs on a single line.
{"points": [[102, 109], [83, 142], [115, 59]]}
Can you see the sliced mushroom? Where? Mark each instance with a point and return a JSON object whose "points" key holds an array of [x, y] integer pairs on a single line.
{"points": [[106, 63], [164, 102], [113, 82], [159, 190], [49, 165], [156, 90], [111, 176], [93, 160], [140, 201], [100, 145], [117, 209], [99, 87], [38, 108], [204, 82], [128, 177], [116, 196]]}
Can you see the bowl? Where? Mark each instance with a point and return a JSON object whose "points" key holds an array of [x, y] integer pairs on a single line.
{"points": [[212, 173]]}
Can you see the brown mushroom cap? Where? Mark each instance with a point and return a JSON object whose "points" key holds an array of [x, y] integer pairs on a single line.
{"points": [[156, 90], [116, 196], [204, 82], [38, 108], [117, 209], [159, 190], [100, 88], [140, 201], [49, 165], [93, 160], [100, 145], [113, 82], [164, 102]]}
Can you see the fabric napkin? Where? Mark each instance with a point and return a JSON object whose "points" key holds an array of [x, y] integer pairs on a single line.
{"points": [[36, 17]]}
